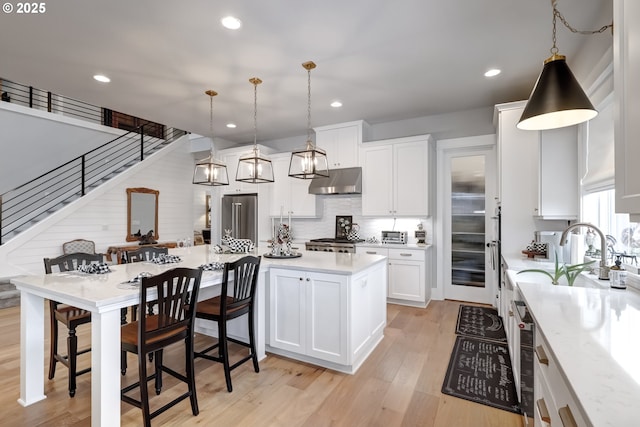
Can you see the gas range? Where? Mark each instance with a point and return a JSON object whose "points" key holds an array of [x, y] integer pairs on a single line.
{"points": [[332, 245]]}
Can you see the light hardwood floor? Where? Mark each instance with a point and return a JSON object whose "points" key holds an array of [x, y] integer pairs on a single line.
{"points": [[399, 385]]}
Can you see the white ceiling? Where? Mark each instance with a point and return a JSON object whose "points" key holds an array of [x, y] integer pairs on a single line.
{"points": [[385, 60]]}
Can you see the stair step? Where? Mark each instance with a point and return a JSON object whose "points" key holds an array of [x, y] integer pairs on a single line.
{"points": [[7, 286], [9, 298]]}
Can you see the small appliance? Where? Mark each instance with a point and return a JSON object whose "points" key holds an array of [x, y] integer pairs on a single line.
{"points": [[395, 237]]}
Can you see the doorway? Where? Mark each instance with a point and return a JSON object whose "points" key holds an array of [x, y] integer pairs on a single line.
{"points": [[466, 191]]}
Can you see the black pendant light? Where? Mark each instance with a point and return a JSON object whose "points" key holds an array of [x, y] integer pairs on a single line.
{"points": [[210, 171], [557, 100], [311, 161]]}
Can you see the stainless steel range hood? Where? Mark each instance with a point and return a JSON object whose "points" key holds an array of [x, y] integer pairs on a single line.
{"points": [[339, 181]]}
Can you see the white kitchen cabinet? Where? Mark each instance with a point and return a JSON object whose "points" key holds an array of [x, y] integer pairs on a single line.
{"points": [[397, 175], [341, 142], [290, 196], [537, 176], [555, 404], [408, 273], [558, 188], [235, 187], [626, 67], [329, 319]]}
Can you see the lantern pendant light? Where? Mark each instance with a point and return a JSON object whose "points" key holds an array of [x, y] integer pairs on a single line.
{"points": [[310, 162], [557, 100], [253, 167], [210, 171]]}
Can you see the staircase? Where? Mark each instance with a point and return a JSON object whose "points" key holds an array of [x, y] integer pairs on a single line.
{"points": [[9, 295]]}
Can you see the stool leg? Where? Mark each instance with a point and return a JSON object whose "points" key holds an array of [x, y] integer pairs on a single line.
{"points": [[53, 348], [72, 356], [224, 352], [252, 342], [158, 368], [191, 375], [144, 389]]}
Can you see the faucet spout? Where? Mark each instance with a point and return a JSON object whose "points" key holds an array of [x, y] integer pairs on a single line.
{"points": [[603, 273]]}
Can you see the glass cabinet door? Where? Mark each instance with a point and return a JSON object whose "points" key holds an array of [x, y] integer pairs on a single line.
{"points": [[468, 221]]}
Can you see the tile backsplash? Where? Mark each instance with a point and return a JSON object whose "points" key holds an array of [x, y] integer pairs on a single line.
{"points": [[341, 205]]}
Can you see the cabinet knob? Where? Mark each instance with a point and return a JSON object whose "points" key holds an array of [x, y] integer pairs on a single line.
{"points": [[308, 279], [300, 278]]}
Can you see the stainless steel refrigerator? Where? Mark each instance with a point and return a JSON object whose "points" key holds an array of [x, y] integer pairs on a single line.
{"points": [[240, 215]]}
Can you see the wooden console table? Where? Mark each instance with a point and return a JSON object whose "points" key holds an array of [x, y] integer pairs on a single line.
{"points": [[120, 250]]}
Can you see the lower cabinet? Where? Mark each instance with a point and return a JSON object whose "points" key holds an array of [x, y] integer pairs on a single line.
{"points": [[555, 405], [408, 272], [327, 317]]}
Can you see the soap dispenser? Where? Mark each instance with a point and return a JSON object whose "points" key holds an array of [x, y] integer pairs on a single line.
{"points": [[618, 275]]}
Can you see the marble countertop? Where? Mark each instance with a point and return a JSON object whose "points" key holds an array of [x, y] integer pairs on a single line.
{"points": [[593, 334]]}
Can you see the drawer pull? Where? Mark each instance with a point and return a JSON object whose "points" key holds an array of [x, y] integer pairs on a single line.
{"points": [[403, 254], [567, 417], [542, 355], [372, 252], [543, 411]]}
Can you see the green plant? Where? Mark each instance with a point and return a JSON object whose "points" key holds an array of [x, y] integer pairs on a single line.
{"points": [[573, 271], [555, 277], [570, 271]]}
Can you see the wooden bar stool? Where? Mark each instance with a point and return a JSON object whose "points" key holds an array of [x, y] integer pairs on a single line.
{"points": [[230, 305], [177, 293]]}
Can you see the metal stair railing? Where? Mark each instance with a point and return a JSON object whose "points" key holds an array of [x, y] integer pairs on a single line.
{"points": [[33, 201]]}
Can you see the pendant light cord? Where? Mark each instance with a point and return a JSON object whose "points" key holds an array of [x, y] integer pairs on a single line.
{"points": [[557, 14], [255, 115], [309, 107], [211, 122]]}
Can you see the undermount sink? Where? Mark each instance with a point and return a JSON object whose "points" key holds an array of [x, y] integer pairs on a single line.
{"points": [[584, 280]]}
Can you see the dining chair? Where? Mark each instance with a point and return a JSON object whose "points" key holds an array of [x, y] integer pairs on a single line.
{"points": [[237, 298], [69, 316], [145, 253], [79, 245], [176, 293]]}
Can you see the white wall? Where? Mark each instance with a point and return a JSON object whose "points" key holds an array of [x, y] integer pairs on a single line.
{"points": [[101, 215], [34, 142]]}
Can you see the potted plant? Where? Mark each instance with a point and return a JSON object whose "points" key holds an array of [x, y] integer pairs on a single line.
{"points": [[570, 271]]}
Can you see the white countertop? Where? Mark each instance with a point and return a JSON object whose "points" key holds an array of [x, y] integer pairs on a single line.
{"points": [[594, 335]]}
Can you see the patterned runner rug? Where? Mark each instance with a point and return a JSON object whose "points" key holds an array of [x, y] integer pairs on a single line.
{"points": [[480, 322], [480, 371]]}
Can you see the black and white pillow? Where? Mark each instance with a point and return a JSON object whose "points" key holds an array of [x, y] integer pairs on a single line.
{"points": [[100, 268]]}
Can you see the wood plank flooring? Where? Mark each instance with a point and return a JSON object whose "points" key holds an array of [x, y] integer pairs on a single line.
{"points": [[399, 385]]}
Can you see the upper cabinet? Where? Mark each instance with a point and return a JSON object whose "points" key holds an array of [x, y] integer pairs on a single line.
{"points": [[626, 63], [558, 187], [290, 196], [341, 142], [396, 176], [538, 170]]}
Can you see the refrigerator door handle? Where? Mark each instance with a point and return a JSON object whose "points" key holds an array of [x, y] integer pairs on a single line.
{"points": [[493, 246], [235, 219]]}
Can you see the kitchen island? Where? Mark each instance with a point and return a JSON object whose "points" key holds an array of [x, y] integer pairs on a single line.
{"points": [[104, 295]]}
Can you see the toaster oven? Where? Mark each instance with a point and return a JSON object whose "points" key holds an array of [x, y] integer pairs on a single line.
{"points": [[395, 237]]}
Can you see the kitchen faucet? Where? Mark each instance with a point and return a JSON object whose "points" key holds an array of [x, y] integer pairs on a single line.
{"points": [[603, 274]]}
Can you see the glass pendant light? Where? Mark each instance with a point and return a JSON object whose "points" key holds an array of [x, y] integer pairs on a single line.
{"points": [[210, 171], [311, 161], [253, 167], [557, 100]]}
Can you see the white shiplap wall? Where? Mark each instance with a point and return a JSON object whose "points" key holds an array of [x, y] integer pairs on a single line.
{"points": [[101, 215]]}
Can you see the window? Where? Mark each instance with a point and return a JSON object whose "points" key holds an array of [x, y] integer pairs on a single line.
{"points": [[598, 208]]}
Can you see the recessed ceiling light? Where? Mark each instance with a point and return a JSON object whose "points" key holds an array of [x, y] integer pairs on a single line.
{"points": [[231, 125], [101, 78], [230, 22], [492, 72], [336, 104]]}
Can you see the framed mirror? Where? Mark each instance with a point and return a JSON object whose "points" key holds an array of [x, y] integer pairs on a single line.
{"points": [[142, 213], [208, 212]]}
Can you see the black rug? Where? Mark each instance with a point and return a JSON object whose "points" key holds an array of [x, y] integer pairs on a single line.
{"points": [[480, 322], [480, 371]]}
